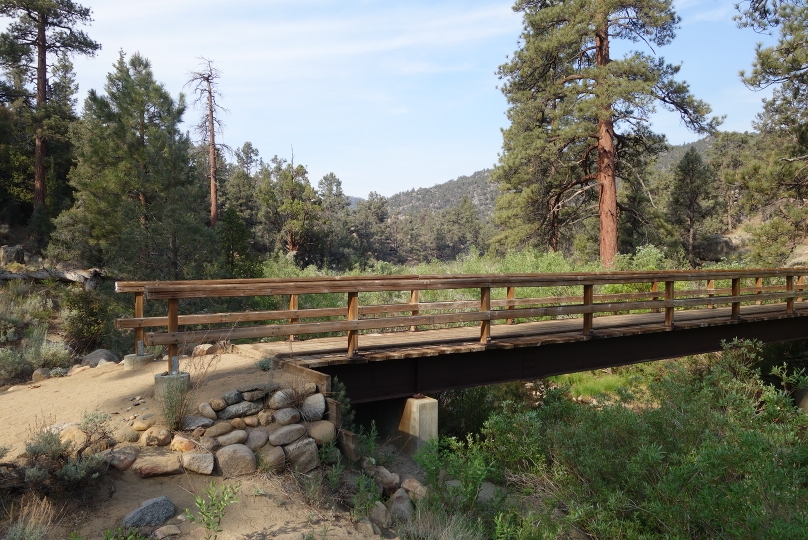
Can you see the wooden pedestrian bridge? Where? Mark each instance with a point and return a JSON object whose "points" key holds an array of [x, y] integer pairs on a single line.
{"points": [[404, 335]]}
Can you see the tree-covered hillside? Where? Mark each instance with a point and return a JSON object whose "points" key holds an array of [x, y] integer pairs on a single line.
{"points": [[477, 187]]}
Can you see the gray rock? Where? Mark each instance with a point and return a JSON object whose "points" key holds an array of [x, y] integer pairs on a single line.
{"points": [[281, 399], [302, 455], [256, 392], [313, 407], [218, 429], [233, 397], [166, 531], [236, 460], [192, 422], [272, 458], [121, 459], [12, 254], [322, 431], [207, 411], [200, 463], [94, 357], [415, 489], [287, 434], [400, 506], [241, 409], [256, 439], [365, 527], [488, 492], [151, 513], [40, 374], [380, 515], [209, 443], [126, 434], [237, 436], [287, 416], [389, 482]]}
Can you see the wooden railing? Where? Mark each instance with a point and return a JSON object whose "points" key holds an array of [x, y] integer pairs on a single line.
{"points": [[665, 291]]}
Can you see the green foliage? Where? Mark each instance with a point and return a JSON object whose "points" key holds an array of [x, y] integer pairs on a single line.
{"points": [[465, 410], [340, 395], [265, 364], [13, 366], [85, 317], [174, 402], [365, 497], [212, 509], [124, 534], [434, 523]]}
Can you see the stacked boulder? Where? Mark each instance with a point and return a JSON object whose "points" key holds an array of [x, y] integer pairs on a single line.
{"points": [[235, 434]]}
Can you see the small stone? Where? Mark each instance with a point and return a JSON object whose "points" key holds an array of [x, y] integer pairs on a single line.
{"points": [[365, 527], [236, 460], [254, 393], [307, 389], [74, 436], [209, 443], [233, 397], [157, 436], [126, 434], [40, 375], [97, 355], [265, 417], [322, 431], [204, 349], [380, 515], [166, 531], [218, 429], [302, 455], [287, 434], [287, 416], [182, 444], [400, 506], [389, 482], [488, 492], [238, 423], [281, 399], [152, 512], [207, 411], [272, 458], [234, 437], [217, 404], [200, 463], [243, 408], [193, 422], [142, 425], [157, 465], [138, 398], [198, 432], [313, 407], [415, 489], [251, 421], [121, 459], [256, 439]]}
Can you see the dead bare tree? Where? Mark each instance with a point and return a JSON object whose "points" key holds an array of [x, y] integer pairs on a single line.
{"points": [[205, 87]]}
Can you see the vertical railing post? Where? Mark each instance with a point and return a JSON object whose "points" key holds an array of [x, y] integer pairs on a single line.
{"points": [[293, 305], [589, 296], [654, 289], [485, 305], [759, 287], [790, 288], [510, 295], [800, 280], [415, 298], [711, 287], [173, 326], [670, 296], [736, 305], [139, 331], [353, 315]]}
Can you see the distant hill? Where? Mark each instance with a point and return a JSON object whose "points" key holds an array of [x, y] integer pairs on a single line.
{"points": [[448, 194], [667, 161]]}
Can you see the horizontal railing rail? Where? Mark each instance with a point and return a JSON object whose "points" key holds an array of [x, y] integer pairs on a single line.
{"points": [[695, 289]]}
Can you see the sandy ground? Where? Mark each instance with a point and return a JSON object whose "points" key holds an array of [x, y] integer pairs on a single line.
{"points": [[268, 506]]}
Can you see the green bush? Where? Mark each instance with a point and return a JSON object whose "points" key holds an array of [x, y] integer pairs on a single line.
{"points": [[13, 366], [85, 315]]}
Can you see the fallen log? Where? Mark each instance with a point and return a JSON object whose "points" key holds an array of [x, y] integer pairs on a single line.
{"points": [[89, 278]]}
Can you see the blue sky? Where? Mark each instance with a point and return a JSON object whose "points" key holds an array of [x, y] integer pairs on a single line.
{"points": [[388, 95]]}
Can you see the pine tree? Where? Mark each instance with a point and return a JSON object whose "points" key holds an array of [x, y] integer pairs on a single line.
{"points": [[574, 110], [137, 209], [691, 200]]}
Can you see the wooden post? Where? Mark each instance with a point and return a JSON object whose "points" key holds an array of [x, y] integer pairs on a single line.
{"points": [[654, 289], [173, 326], [293, 305], [139, 331], [711, 287], [353, 315], [415, 297], [759, 286], [670, 295], [800, 284], [790, 288], [510, 295], [736, 306], [589, 296], [485, 305]]}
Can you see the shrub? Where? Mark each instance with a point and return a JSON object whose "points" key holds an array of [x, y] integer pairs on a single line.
{"points": [[13, 366], [85, 315]]}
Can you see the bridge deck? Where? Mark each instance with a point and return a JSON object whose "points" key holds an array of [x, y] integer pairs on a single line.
{"points": [[323, 352]]}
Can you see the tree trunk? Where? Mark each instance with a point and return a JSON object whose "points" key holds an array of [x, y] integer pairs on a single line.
{"points": [[40, 147], [214, 198], [89, 278], [607, 186]]}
